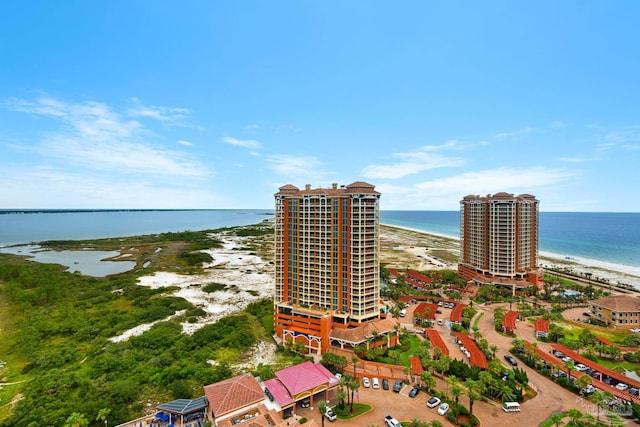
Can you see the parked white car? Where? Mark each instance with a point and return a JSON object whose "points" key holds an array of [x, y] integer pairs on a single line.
{"points": [[443, 409], [365, 382]]}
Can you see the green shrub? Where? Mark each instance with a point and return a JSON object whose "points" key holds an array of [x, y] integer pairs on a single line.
{"points": [[302, 420]]}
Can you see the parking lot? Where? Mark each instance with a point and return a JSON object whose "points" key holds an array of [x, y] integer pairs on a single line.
{"points": [[385, 402]]}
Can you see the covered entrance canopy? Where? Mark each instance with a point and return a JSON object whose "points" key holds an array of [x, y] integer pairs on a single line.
{"points": [[185, 410]]}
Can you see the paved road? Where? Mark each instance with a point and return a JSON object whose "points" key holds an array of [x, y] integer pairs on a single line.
{"points": [[551, 397]]}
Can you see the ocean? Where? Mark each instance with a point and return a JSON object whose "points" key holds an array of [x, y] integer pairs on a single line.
{"points": [[38, 225], [608, 237]]}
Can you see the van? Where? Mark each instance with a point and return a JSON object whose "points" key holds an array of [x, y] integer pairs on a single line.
{"points": [[375, 383], [403, 312], [511, 407]]}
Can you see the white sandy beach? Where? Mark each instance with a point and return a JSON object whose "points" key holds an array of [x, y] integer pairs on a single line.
{"points": [[613, 272], [249, 277]]}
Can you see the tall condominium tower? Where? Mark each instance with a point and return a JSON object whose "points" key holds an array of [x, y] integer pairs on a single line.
{"points": [[326, 260], [499, 239]]}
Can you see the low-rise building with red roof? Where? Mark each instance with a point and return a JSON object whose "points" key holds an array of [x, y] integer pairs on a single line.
{"points": [[476, 356], [618, 311], [456, 313], [425, 311], [234, 398], [541, 328], [437, 341], [509, 321], [416, 366]]}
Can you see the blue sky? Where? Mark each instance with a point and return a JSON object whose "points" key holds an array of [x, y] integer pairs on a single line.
{"points": [[216, 104]]}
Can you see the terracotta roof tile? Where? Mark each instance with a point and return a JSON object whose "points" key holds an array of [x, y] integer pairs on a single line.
{"points": [[619, 303], [234, 393], [360, 334]]}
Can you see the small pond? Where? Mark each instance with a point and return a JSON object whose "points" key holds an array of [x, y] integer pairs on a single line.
{"points": [[87, 262]]}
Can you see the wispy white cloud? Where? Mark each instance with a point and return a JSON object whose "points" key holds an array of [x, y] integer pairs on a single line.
{"points": [[43, 186], [575, 159], [494, 180], [94, 136], [162, 113], [518, 132], [185, 143], [413, 162], [298, 167], [245, 143]]}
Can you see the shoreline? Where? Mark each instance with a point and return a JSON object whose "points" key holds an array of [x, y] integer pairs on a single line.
{"points": [[603, 269]]}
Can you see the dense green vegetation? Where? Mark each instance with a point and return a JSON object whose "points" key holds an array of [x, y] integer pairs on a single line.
{"points": [[54, 337]]}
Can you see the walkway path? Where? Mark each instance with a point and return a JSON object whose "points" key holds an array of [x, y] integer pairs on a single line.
{"points": [[551, 396]]}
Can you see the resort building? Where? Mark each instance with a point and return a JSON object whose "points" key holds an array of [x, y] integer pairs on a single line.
{"points": [[618, 311], [499, 240], [327, 267], [272, 403]]}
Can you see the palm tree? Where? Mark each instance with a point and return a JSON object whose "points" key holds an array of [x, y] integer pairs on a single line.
{"points": [[598, 398], [354, 360], [456, 392], [556, 419], [505, 393], [494, 349], [451, 380], [322, 407], [583, 382], [343, 382], [476, 331], [575, 416], [517, 343], [428, 379], [474, 388], [341, 396], [354, 385], [570, 366]]}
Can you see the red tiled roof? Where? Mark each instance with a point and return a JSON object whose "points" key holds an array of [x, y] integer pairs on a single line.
{"points": [[456, 313], [422, 309], [609, 372], [235, 393], [437, 341], [477, 357], [604, 341], [393, 272], [509, 319], [360, 334], [619, 303], [416, 275], [302, 377], [595, 382], [541, 325], [416, 365]]}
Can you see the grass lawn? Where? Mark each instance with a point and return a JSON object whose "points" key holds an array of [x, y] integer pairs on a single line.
{"points": [[573, 331], [358, 409], [415, 342], [608, 363], [475, 322]]}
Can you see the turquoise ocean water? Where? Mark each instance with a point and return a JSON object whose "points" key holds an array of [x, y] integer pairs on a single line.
{"points": [[607, 237]]}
